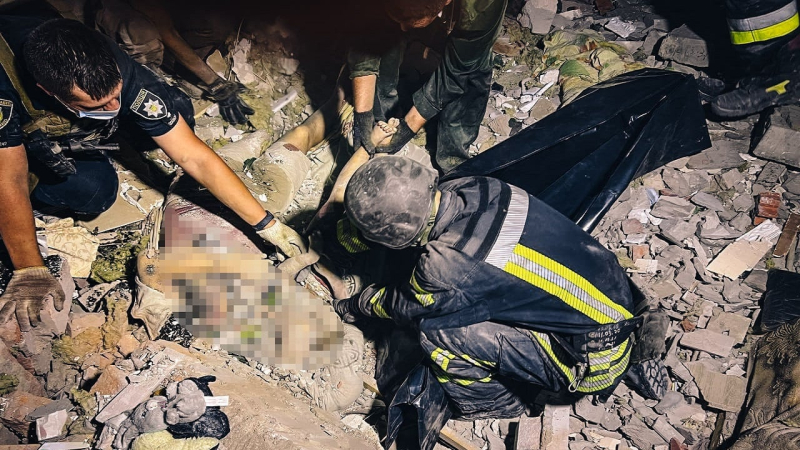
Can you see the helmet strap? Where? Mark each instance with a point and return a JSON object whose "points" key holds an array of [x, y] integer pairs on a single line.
{"points": [[426, 232]]}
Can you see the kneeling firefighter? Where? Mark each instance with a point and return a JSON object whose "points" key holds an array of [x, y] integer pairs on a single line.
{"points": [[505, 291]]}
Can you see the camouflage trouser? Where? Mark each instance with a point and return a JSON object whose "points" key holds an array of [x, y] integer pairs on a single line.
{"points": [[139, 38]]}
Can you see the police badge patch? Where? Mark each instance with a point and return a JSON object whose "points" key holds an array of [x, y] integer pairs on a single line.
{"points": [[149, 106], [6, 108]]}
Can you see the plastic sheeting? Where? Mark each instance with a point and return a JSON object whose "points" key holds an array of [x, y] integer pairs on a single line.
{"points": [[578, 160], [582, 157], [781, 300]]}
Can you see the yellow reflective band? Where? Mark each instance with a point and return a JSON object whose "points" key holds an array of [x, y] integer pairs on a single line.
{"points": [[764, 34], [478, 362], [424, 297], [544, 340], [375, 301], [611, 362], [559, 281], [348, 237], [779, 88], [444, 378], [442, 357]]}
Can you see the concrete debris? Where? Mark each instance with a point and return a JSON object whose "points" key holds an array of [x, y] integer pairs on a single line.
{"points": [[684, 46], [672, 207], [52, 425], [738, 258], [722, 155], [777, 144], [555, 427], [709, 342], [538, 15], [723, 392]]}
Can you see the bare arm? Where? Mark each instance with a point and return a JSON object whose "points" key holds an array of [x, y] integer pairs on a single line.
{"points": [[173, 40], [199, 161], [16, 220], [364, 92]]}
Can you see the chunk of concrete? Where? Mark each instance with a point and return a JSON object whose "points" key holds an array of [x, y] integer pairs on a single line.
{"points": [[555, 427], [735, 325], [709, 342], [81, 321], [684, 46], [739, 257], [538, 15], [641, 435], [708, 201], [720, 391], [723, 155], [672, 208], [529, 433], [587, 410], [665, 430], [52, 425], [779, 144], [110, 382], [17, 406], [142, 386]]}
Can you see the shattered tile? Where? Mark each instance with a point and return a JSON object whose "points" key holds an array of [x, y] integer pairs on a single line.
{"points": [[778, 144], [738, 257], [641, 435], [709, 342], [723, 155], [672, 208], [735, 325], [724, 392]]}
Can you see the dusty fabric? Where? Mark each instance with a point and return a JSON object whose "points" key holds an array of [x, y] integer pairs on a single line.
{"points": [[772, 420], [75, 244], [584, 59]]}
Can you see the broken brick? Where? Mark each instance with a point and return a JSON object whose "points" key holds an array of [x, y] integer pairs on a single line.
{"points": [[768, 204]]}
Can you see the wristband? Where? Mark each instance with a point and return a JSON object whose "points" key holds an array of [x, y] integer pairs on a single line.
{"points": [[264, 222]]}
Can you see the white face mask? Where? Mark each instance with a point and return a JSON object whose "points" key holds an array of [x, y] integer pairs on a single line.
{"points": [[97, 115]]}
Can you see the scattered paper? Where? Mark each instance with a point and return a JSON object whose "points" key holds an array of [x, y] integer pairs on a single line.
{"points": [[766, 231]]}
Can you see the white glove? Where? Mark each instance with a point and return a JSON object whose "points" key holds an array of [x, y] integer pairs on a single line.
{"points": [[285, 238]]}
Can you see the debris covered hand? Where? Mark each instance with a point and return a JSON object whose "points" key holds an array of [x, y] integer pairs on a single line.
{"points": [[285, 238], [400, 136], [363, 122], [26, 295], [232, 108]]}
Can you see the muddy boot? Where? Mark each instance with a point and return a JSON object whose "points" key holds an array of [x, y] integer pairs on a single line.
{"points": [[344, 385], [150, 306]]}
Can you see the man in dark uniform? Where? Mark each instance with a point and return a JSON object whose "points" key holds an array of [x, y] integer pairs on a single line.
{"points": [[63, 88], [188, 30], [456, 93], [764, 35], [495, 295]]}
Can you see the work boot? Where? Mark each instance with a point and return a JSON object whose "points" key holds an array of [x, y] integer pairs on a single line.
{"points": [[779, 84]]}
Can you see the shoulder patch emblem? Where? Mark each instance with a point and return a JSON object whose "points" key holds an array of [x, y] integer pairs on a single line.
{"points": [[6, 108], [149, 106]]}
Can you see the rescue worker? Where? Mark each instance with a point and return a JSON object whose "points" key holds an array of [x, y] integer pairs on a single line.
{"points": [[189, 32], [456, 93], [505, 289], [764, 34], [65, 86]]}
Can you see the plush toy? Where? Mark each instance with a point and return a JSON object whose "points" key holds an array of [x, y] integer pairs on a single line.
{"points": [[163, 440]]}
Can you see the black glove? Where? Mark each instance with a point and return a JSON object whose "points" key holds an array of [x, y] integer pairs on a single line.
{"points": [[226, 93], [49, 153], [348, 309], [399, 139], [363, 123]]}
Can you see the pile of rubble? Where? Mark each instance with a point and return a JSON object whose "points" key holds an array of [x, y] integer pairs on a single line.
{"points": [[697, 237]]}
